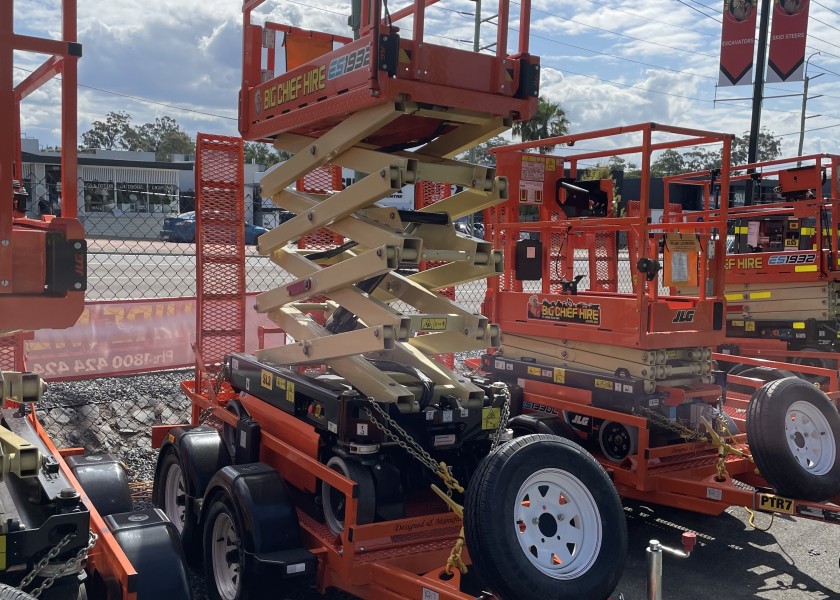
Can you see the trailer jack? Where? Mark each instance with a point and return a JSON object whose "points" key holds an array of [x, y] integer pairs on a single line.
{"points": [[654, 562]]}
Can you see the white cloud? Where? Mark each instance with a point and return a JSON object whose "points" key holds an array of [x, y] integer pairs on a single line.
{"points": [[608, 62]]}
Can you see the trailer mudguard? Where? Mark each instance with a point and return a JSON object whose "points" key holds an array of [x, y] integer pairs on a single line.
{"points": [[200, 451], [261, 498]]}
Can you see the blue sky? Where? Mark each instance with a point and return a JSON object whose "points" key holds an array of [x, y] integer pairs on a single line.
{"points": [[607, 62]]}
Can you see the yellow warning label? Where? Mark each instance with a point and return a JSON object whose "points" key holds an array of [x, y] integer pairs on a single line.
{"points": [[559, 375], [749, 325], [266, 379], [603, 384], [534, 371], [432, 324], [737, 323], [550, 164], [490, 418], [2, 552], [760, 295], [799, 325], [735, 296], [290, 391], [280, 383]]}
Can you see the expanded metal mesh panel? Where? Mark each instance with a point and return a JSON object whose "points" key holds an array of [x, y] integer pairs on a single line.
{"points": [[220, 250], [324, 179], [11, 352], [604, 262]]}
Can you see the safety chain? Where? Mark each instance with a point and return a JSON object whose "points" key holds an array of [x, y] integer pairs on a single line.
{"points": [[73, 561], [503, 419], [662, 421], [410, 445]]}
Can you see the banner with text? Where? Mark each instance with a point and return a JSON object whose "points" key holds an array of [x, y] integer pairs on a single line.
{"points": [[737, 42], [118, 338], [788, 35]]}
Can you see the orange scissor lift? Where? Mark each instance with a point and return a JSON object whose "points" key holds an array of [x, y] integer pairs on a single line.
{"points": [[599, 349], [320, 466], [781, 270], [68, 528]]}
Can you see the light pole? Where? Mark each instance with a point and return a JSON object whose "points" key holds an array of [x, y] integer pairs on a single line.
{"points": [[804, 103]]}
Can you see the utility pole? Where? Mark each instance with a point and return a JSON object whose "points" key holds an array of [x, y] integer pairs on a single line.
{"points": [[758, 94], [804, 103]]}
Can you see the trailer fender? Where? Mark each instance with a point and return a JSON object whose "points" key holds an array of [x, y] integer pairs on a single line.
{"points": [[151, 542], [252, 505], [187, 461], [104, 481]]}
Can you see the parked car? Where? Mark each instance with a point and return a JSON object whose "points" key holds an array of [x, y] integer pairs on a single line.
{"points": [[182, 229]]}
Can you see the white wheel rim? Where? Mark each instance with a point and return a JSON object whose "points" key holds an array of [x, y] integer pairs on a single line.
{"points": [[558, 524], [175, 496], [809, 438], [226, 572]]}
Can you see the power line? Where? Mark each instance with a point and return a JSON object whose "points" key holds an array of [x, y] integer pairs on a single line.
{"points": [[825, 7], [145, 100], [694, 8]]}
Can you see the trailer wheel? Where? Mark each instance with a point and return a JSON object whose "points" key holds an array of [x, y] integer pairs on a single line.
{"points": [[335, 502], [766, 374], [172, 494], [822, 363], [618, 441], [543, 520], [223, 553], [8, 592], [793, 432]]}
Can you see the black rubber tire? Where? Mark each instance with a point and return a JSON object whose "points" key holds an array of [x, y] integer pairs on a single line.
{"points": [[762, 373], [187, 526], [159, 499], [492, 531], [366, 501], [766, 426], [8, 592], [246, 589], [826, 363], [623, 441]]}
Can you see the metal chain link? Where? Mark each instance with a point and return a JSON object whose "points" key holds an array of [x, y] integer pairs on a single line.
{"points": [[503, 419], [407, 443], [665, 423], [65, 568], [74, 561]]}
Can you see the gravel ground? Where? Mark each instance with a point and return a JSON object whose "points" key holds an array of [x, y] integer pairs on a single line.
{"points": [[115, 415]]}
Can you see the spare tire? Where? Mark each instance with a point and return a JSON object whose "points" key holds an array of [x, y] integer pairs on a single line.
{"points": [[543, 520], [793, 433]]}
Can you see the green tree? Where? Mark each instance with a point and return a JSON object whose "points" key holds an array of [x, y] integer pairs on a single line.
{"points": [[769, 147], [263, 154], [481, 154], [114, 133], [670, 162], [164, 136], [549, 121]]}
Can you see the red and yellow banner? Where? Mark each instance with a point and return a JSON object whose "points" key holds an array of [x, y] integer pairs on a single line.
{"points": [[737, 42], [122, 337], [788, 35]]}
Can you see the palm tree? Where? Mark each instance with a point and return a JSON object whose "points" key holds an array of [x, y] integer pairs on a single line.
{"points": [[549, 121]]}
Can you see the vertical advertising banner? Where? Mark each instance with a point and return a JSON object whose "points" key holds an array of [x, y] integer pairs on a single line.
{"points": [[788, 35], [737, 42]]}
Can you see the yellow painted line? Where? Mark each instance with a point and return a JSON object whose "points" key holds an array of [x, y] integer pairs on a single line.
{"points": [[806, 269], [760, 295], [740, 296], [799, 325]]}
